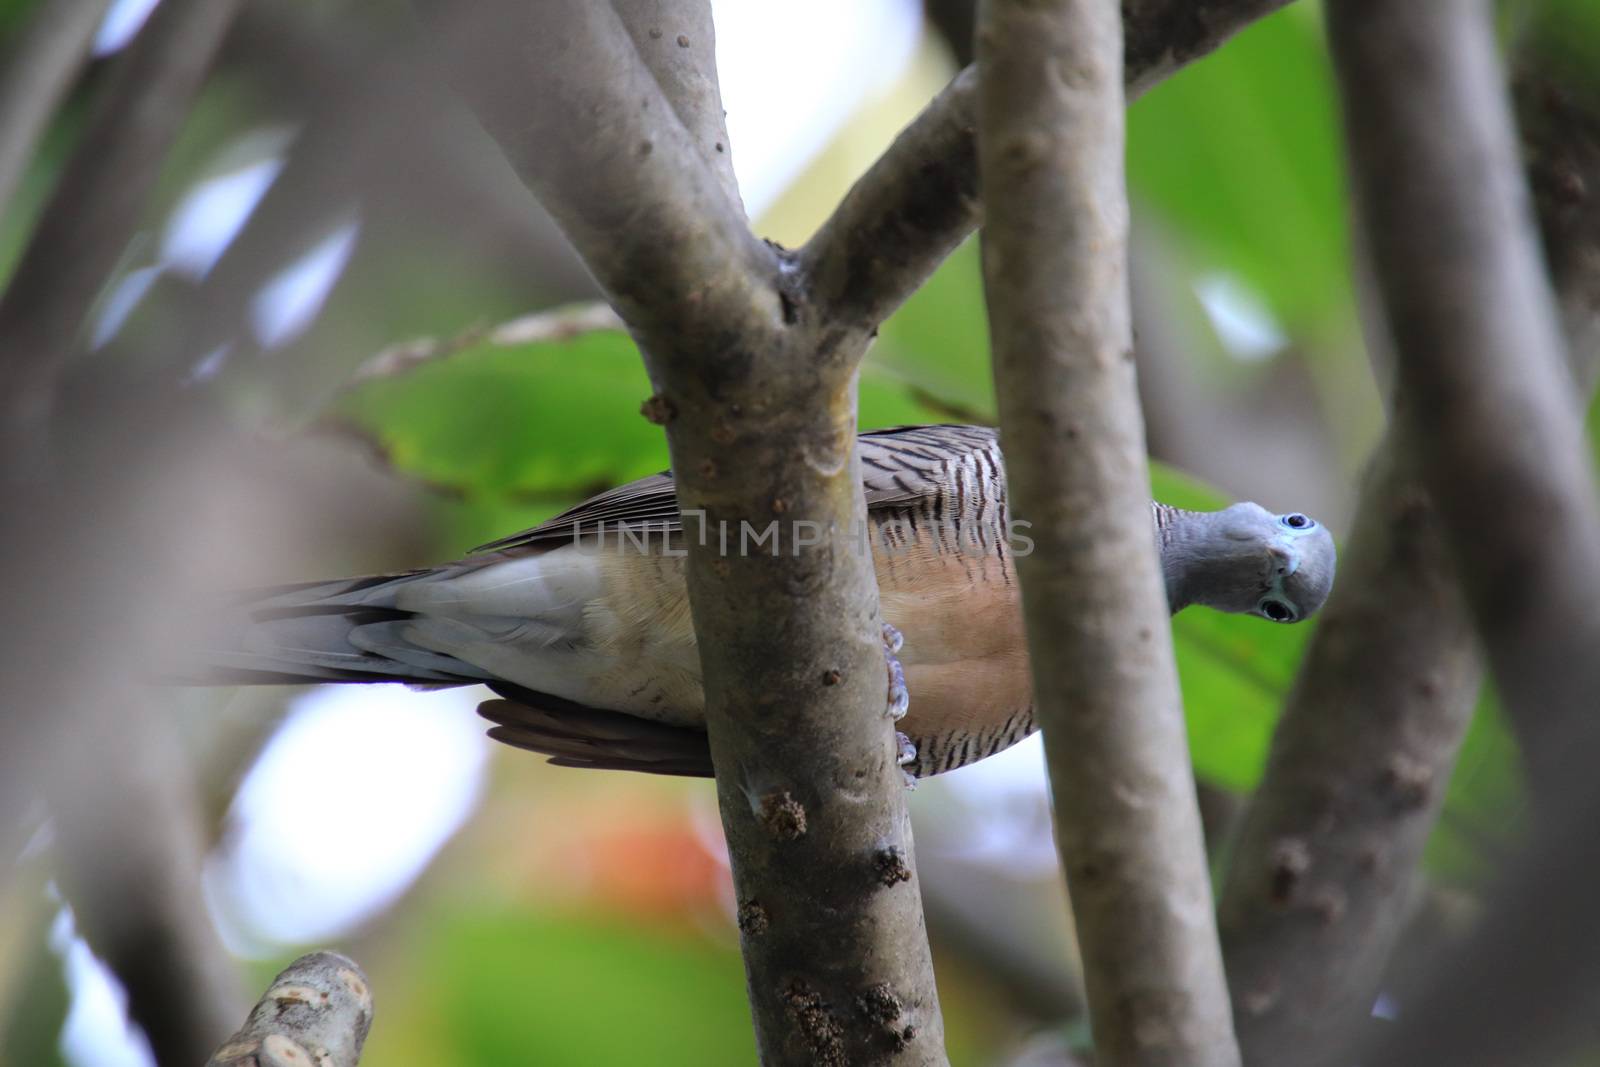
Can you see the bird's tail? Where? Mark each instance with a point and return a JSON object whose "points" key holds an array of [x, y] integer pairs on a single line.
{"points": [[349, 630]]}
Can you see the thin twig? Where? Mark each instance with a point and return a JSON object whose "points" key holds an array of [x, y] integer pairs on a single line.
{"points": [[557, 324], [612, 163], [1050, 149]]}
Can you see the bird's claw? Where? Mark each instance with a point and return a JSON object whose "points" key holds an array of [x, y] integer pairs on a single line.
{"points": [[893, 639], [905, 755], [899, 695]]}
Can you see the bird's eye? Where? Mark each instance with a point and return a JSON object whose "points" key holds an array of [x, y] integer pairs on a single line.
{"points": [[1276, 611], [1297, 521]]}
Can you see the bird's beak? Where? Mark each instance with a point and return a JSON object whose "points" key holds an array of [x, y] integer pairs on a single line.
{"points": [[1285, 559]]}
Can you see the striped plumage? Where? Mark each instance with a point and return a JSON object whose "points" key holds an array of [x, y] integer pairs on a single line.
{"points": [[582, 623]]}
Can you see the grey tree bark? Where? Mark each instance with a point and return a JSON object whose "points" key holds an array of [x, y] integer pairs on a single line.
{"points": [[1050, 148]]}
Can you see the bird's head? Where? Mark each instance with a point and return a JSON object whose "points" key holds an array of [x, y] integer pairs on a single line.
{"points": [[1247, 560]]}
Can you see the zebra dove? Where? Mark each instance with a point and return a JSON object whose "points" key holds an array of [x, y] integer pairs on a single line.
{"points": [[582, 626]]}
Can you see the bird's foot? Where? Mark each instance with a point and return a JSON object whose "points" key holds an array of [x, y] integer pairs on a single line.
{"points": [[899, 695], [905, 755]]}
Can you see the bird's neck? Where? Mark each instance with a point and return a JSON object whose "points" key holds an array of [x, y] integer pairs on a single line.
{"points": [[1178, 532]]}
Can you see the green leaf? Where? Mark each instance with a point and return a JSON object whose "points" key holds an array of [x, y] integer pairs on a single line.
{"points": [[546, 421], [553, 419]]}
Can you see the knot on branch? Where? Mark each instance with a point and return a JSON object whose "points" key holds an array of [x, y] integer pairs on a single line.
{"points": [[1407, 781], [880, 1004], [782, 816], [753, 919], [890, 866], [1291, 859], [657, 409], [818, 1028]]}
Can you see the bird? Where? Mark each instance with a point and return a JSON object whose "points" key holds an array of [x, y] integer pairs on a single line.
{"points": [[581, 625]]}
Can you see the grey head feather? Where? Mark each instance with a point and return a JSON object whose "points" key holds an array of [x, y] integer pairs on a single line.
{"points": [[1245, 559]]}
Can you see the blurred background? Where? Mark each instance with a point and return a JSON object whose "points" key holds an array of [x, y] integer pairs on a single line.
{"points": [[337, 264]]}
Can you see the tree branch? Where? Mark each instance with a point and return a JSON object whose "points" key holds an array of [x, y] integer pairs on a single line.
{"points": [[1488, 405], [920, 199], [610, 160], [1523, 984], [96, 206], [1325, 867], [954, 20], [678, 43], [38, 72], [1161, 37], [1521, 988], [904, 216], [1055, 270], [757, 392], [315, 1014]]}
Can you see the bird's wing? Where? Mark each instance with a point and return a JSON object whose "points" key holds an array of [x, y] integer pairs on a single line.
{"points": [[901, 466]]}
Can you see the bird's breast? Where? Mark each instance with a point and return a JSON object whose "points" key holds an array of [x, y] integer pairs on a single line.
{"points": [[957, 605]]}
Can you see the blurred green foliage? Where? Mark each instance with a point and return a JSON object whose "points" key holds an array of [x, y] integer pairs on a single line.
{"points": [[38, 1000], [568, 989]]}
